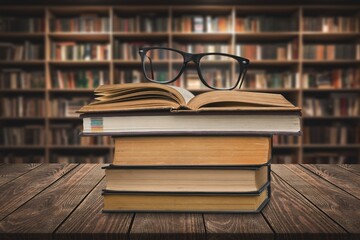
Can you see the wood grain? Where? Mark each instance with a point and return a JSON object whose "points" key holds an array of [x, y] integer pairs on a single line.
{"points": [[337, 204], [17, 192], [44, 213], [237, 226], [347, 181], [88, 221], [9, 172], [355, 168], [292, 216], [168, 226]]}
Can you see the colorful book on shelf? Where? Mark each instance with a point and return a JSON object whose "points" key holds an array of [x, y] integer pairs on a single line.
{"points": [[168, 109], [195, 150]]}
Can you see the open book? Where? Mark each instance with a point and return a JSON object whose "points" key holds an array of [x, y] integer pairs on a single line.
{"points": [[153, 109], [152, 96]]}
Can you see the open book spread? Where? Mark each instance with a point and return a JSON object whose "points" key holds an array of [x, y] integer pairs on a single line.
{"points": [[148, 96], [149, 108]]}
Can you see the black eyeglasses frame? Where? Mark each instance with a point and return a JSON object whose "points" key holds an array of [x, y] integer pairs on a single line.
{"points": [[196, 57]]}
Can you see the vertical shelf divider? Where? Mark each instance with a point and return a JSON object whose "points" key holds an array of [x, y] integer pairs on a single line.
{"points": [[47, 85]]}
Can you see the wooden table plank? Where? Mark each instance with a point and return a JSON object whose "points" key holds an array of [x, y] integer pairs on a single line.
{"points": [[19, 191], [237, 226], [9, 172], [45, 212], [355, 168], [88, 221], [347, 181], [339, 205], [168, 226], [292, 216]]}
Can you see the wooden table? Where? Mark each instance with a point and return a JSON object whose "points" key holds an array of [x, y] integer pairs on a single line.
{"points": [[54, 201]]}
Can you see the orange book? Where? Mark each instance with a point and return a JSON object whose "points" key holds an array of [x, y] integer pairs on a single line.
{"points": [[239, 26], [222, 24]]}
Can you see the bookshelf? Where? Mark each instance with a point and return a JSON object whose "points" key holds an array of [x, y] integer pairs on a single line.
{"points": [[55, 56]]}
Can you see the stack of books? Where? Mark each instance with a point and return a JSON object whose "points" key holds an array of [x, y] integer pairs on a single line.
{"points": [[178, 152]]}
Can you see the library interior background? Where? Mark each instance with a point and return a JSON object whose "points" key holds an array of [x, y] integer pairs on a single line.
{"points": [[53, 57]]}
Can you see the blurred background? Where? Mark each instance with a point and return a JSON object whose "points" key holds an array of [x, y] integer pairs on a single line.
{"points": [[54, 53]]}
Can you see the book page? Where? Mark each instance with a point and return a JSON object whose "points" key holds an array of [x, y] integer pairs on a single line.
{"points": [[141, 96], [240, 100], [187, 95]]}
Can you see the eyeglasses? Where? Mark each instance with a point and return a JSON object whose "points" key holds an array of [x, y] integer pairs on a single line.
{"points": [[218, 71]]}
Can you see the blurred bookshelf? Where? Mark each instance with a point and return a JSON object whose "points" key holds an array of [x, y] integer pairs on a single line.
{"points": [[52, 58]]}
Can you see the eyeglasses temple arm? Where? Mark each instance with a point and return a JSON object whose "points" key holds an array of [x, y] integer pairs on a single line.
{"points": [[151, 67], [242, 77]]}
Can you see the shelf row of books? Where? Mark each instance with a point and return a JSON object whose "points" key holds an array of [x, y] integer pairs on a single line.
{"points": [[69, 134], [335, 134], [198, 23], [202, 23], [337, 104], [263, 23], [25, 135], [21, 106], [25, 51], [283, 140], [141, 23], [261, 79], [80, 51], [22, 24], [268, 51], [330, 24], [67, 107], [81, 78], [130, 50], [82, 23], [335, 78], [331, 51], [129, 76], [16, 78]]}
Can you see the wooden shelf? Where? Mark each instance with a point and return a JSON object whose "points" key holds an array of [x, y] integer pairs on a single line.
{"points": [[265, 36], [170, 38], [22, 147], [80, 36], [336, 36], [22, 91], [274, 63], [22, 63], [208, 37], [64, 119], [141, 36], [78, 147], [286, 146], [71, 91], [20, 35], [79, 62], [21, 119], [314, 63]]}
